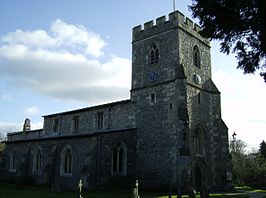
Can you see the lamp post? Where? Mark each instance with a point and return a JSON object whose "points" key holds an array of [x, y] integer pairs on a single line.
{"points": [[234, 136]]}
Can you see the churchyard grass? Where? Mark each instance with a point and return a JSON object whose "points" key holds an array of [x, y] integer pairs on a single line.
{"points": [[13, 191], [247, 188]]}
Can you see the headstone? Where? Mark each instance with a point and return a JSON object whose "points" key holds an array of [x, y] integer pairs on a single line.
{"points": [[80, 185], [136, 190], [192, 192]]}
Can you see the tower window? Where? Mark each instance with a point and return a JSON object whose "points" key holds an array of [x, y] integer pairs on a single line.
{"points": [[199, 98], [154, 55], [171, 106], [196, 56], [152, 97], [199, 142]]}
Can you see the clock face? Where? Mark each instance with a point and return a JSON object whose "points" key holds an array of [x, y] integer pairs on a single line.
{"points": [[197, 79], [152, 77]]}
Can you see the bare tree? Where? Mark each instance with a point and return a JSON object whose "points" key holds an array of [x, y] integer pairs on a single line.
{"points": [[237, 150], [2, 138]]}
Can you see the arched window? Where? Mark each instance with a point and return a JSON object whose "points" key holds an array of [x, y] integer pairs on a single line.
{"points": [[199, 142], [12, 162], [199, 98], [119, 160], [37, 161], [66, 166], [196, 56], [154, 55]]}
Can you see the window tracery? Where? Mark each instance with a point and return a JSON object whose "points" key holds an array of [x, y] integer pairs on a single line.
{"points": [[154, 55], [119, 160]]}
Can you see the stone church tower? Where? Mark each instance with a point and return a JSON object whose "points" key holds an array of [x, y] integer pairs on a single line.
{"points": [[181, 133], [168, 134]]}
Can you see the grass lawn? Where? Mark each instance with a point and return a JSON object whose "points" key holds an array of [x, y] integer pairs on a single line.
{"points": [[246, 188], [12, 191]]}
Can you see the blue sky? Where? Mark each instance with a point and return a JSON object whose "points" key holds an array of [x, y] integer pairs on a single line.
{"points": [[58, 55]]}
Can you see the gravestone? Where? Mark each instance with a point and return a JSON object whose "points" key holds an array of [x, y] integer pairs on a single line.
{"points": [[136, 190], [80, 185]]}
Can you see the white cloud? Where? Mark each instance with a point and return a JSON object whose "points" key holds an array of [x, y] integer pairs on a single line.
{"points": [[31, 110], [243, 105], [75, 38], [36, 125], [7, 127], [64, 64]]}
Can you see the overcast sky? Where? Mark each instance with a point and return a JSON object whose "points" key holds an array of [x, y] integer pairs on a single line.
{"points": [[62, 55]]}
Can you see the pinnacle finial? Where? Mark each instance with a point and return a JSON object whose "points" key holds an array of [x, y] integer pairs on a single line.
{"points": [[27, 126]]}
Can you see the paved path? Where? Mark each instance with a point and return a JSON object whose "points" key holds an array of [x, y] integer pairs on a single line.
{"points": [[252, 194], [256, 194]]}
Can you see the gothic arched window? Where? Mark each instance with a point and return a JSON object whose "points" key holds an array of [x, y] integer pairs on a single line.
{"points": [[66, 166], [37, 161], [154, 55], [199, 142], [12, 162], [119, 159], [196, 56]]}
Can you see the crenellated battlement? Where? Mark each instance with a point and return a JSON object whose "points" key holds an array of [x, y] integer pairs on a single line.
{"points": [[176, 19]]}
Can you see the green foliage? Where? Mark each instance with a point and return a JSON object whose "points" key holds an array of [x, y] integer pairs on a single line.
{"points": [[262, 150], [248, 169], [237, 150], [240, 26], [255, 171], [2, 145]]}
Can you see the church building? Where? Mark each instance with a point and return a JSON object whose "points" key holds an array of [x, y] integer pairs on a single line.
{"points": [[168, 133]]}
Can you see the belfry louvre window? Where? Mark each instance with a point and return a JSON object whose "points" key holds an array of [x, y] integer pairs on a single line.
{"points": [[119, 161], [99, 120], [154, 55], [196, 56]]}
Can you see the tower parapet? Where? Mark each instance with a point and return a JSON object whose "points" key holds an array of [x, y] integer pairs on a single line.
{"points": [[176, 20]]}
